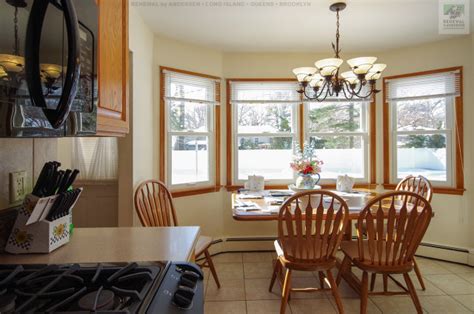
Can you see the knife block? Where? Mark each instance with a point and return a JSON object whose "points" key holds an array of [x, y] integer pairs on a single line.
{"points": [[42, 236]]}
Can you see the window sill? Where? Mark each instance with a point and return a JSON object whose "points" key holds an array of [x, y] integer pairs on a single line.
{"points": [[196, 191], [437, 189], [285, 187]]}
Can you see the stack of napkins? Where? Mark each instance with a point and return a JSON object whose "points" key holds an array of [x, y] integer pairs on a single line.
{"points": [[246, 206]]}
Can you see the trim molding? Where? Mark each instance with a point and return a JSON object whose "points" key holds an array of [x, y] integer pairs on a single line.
{"points": [[458, 188]]}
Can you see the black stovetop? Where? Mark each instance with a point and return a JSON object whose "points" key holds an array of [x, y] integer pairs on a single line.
{"points": [[75, 289]]}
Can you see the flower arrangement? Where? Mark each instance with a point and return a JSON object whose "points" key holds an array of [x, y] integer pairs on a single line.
{"points": [[305, 161]]}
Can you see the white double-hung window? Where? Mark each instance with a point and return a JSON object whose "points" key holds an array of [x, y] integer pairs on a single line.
{"points": [[339, 130], [422, 125], [265, 129], [190, 130]]}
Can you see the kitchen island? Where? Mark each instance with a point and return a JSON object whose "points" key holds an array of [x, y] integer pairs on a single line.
{"points": [[117, 245]]}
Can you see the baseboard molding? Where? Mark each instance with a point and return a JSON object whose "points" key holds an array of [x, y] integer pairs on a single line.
{"points": [[430, 250]]}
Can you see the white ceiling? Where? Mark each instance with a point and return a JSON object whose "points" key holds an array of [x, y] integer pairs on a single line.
{"points": [[366, 25]]}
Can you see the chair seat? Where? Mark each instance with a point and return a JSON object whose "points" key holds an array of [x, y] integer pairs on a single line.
{"points": [[302, 264], [351, 249], [203, 243]]}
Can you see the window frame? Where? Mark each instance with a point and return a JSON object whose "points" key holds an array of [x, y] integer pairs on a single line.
{"points": [[371, 161], [366, 137], [454, 135], [213, 134]]}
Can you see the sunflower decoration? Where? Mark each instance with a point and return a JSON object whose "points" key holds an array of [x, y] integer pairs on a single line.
{"points": [[59, 230], [21, 238]]}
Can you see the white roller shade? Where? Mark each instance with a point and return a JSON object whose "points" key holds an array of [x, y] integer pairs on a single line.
{"points": [[190, 88], [426, 86], [265, 92]]}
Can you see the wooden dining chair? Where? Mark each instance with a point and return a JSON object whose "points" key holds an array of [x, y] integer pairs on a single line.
{"points": [[155, 208], [421, 186], [310, 229], [395, 228]]}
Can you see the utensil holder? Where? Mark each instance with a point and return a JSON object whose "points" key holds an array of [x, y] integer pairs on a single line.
{"points": [[41, 236]]}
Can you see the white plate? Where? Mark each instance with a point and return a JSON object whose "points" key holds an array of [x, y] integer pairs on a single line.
{"points": [[293, 188]]}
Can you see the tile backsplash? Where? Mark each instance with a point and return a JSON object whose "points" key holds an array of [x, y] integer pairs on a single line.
{"points": [[23, 154]]}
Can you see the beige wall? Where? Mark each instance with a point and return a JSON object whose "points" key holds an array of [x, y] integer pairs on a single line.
{"points": [[213, 212], [144, 119]]}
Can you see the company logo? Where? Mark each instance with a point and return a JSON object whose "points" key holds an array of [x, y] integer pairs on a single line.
{"points": [[454, 17]]}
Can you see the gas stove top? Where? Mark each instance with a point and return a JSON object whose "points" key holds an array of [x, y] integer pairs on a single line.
{"points": [[132, 288]]}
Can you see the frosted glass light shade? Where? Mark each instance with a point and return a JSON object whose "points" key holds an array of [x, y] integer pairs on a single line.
{"points": [[51, 70], [12, 63], [2, 73], [350, 77], [328, 67], [361, 65], [304, 73], [317, 81], [375, 72]]}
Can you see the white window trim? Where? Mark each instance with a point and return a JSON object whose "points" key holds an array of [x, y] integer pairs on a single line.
{"points": [[294, 135], [449, 131], [210, 134], [365, 139]]}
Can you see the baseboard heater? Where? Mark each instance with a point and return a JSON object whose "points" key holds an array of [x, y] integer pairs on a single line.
{"points": [[256, 239]]}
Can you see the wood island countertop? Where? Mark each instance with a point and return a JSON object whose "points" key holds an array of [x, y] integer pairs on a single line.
{"points": [[118, 245]]}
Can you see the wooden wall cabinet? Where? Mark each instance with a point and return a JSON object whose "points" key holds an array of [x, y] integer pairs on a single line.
{"points": [[113, 67]]}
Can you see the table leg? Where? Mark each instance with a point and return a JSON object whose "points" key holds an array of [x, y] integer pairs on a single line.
{"points": [[348, 231]]}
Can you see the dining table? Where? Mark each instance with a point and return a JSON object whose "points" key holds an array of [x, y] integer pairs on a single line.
{"points": [[265, 205]]}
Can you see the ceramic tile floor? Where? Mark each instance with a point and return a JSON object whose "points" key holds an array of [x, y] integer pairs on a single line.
{"points": [[245, 278]]}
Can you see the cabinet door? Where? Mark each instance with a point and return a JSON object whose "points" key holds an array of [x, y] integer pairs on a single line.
{"points": [[113, 68]]}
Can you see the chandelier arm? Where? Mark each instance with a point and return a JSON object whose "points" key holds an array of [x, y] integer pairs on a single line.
{"points": [[346, 86]]}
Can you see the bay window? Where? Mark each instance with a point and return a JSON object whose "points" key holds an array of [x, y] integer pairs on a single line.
{"points": [[424, 131], [189, 115], [338, 129], [264, 116]]}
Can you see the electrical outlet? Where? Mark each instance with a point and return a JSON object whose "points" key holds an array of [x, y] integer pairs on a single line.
{"points": [[18, 187]]}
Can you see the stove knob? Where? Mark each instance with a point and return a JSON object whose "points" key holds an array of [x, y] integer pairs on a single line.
{"points": [[189, 279], [183, 297]]}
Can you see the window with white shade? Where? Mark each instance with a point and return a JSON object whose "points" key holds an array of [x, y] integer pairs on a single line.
{"points": [[265, 129], [190, 102], [95, 157], [423, 126], [338, 129]]}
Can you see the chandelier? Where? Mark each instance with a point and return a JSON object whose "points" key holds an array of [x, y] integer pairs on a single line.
{"points": [[323, 80]]}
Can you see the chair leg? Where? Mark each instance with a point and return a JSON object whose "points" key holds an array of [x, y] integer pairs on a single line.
{"points": [[276, 271], [285, 292], [372, 281], [321, 279], [211, 266], [385, 283], [345, 265], [418, 275], [335, 292], [364, 293], [414, 296]]}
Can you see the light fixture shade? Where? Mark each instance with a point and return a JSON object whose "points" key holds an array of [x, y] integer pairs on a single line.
{"points": [[372, 76], [51, 70], [375, 72], [328, 67], [378, 67], [350, 77], [304, 73], [12, 63], [317, 81], [361, 65], [2, 73]]}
